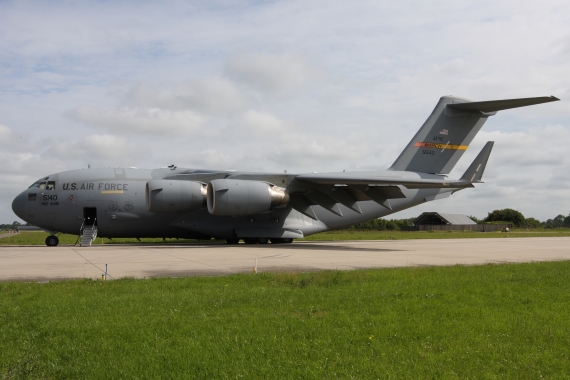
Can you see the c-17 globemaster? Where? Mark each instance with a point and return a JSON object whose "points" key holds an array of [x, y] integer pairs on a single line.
{"points": [[261, 207]]}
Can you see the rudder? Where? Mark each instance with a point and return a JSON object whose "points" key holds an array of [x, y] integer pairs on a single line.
{"points": [[442, 139]]}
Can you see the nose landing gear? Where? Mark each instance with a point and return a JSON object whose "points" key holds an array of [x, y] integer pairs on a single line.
{"points": [[52, 241]]}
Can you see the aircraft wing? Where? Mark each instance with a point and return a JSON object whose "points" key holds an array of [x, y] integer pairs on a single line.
{"points": [[326, 179], [329, 189]]}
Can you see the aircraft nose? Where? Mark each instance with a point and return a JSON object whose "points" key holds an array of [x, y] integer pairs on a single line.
{"points": [[19, 205]]}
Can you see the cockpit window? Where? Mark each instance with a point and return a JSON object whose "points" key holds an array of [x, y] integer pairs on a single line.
{"points": [[44, 184]]}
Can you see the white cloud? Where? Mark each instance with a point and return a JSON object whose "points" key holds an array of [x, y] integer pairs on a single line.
{"points": [[6, 135], [274, 75], [297, 85], [100, 149], [260, 122], [140, 120], [212, 96]]}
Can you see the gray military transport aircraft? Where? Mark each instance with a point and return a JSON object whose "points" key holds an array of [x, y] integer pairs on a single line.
{"points": [[261, 207]]}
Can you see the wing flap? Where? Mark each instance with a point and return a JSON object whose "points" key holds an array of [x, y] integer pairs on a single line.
{"points": [[300, 203], [324, 200], [342, 196]]}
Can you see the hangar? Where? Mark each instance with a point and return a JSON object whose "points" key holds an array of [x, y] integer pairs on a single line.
{"points": [[436, 221]]}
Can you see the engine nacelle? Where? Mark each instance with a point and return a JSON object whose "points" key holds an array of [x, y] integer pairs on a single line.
{"points": [[164, 195], [234, 197]]}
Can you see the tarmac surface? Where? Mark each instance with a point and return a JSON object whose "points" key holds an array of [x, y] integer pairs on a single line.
{"points": [[40, 263]]}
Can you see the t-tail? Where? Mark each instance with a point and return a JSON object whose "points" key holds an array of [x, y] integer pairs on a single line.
{"points": [[448, 131]]}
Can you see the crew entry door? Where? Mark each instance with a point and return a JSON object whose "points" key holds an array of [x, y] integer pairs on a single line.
{"points": [[90, 216]]}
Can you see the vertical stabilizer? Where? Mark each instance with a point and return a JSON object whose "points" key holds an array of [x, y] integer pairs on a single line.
{"points": [[442, 140], [449, 130]]}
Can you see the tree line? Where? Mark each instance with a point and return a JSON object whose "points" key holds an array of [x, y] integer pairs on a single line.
{"points": [[12, 226], [518, 220], [504, 216]]}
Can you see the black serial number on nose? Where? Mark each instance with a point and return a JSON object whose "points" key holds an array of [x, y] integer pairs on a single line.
{"points": [[49, 198]]}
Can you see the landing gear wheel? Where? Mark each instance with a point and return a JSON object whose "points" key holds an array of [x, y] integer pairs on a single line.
{"points": [[232, 241], [281, 240], [52, 241], [263, 240], [250, 240]]}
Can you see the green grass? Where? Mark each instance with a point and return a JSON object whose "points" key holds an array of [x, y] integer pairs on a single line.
{"points": [[460, 322], [38, 238], [405, 235]]}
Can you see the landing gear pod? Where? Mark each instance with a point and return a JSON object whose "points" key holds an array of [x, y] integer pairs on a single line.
{"points": [[164, 195], [235, 197]]}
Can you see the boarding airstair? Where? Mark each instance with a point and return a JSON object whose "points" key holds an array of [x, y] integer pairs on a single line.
{"points": [[88, 233]]}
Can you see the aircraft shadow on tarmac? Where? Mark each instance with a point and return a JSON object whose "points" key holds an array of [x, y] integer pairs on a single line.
{"points": [[306, 247], [323, 247]]}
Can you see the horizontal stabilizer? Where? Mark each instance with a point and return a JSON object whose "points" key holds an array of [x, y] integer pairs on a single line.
{"points": [[498, 105], [475, 171]]}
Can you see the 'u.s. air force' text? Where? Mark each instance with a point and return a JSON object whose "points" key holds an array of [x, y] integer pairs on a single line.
{"points": [[95, 186]]}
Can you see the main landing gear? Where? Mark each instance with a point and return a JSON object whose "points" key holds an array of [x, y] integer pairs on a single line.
{"points": [[52, 241], [234, 241]]}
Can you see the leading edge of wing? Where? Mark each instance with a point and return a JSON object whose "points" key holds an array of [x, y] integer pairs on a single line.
{"points": [[340, 179]]}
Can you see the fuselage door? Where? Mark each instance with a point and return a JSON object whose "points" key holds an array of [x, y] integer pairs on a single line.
{"points": [[90, 215]]}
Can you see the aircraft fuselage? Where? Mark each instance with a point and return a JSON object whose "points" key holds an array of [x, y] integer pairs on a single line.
{"points": [[117, 199]]}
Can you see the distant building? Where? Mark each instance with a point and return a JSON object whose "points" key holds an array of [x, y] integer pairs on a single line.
{"points": [[435, 221], [436, 218], [29, 228]]}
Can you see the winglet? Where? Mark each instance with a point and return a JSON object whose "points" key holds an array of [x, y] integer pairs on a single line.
{"points": [[475, 171]]}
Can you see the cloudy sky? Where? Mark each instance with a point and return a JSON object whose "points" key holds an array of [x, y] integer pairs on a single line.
{"points": [[283, 85]]}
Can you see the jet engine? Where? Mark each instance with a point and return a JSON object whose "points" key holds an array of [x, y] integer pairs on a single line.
{"points": [[163, 195], [234, 197]]}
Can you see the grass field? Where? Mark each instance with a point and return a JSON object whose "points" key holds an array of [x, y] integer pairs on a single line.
{"points": [[461, 322], [405, 235], [38, 238]]}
